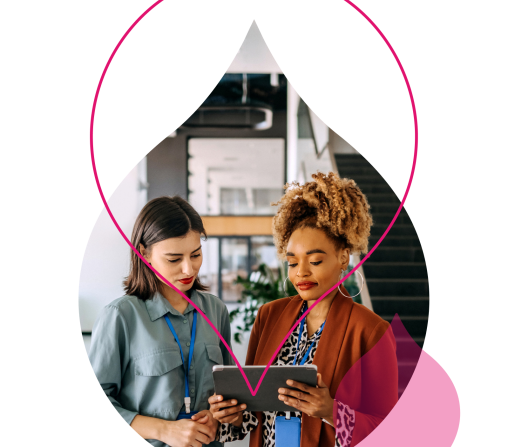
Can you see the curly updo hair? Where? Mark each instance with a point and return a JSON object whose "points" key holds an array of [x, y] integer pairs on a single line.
{"points": [[329, 203]]}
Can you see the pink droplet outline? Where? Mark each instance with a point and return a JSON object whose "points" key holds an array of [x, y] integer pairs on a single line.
{"points": [[253, 391]]}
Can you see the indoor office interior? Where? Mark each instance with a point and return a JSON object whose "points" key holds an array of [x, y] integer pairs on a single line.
{"points": [[230, 160]]}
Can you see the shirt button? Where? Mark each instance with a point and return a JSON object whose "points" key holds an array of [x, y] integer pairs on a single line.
{"points": [[192, 367], [185, 321], [188, 343], [192, 391]]}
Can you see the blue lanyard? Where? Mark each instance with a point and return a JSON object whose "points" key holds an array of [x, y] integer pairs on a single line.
{"points": [[191, 351], [302, 323]]}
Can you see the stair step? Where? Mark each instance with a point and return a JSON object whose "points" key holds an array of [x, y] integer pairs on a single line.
{"points": [[415, 328], [396, 241], [397, 229], [420, 341], [405, 374], [385, 208], [402, 305], [351, 158], [364, 180], [375, 188], [382, 198], [394, 270], [398, 287], [386, 218], [352, 170], [398, 254]]}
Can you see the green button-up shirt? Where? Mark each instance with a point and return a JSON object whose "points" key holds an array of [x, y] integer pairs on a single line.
{"points": [[138, 363]]}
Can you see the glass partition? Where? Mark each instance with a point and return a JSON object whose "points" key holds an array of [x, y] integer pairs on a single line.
{"points": [[234, 256], [235, 176], [234, 262]]}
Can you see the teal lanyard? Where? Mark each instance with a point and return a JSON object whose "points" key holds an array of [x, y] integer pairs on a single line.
{"points": [[302, 323], [191, 352]]}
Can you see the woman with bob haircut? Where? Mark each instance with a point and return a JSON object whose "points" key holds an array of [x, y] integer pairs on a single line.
{"points": [[151, 351], [316, 228]]}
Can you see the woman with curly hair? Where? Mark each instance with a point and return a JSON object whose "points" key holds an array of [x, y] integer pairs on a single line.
{"points": [[316, 228]]}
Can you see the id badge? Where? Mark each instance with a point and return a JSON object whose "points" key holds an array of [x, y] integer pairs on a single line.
{"points": [[287, 431], [186, 415]]}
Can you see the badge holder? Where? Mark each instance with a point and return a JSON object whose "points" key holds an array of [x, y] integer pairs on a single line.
{"points": [[187, 400], [287, 431]]}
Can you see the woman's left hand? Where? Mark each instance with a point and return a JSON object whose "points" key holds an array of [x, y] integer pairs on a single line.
{"points": [[206, 417], [315, 402]]}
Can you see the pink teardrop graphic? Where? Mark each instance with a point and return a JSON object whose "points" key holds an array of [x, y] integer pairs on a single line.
{"points": [[429, 404]]}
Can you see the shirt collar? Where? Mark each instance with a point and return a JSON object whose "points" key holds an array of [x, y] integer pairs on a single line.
{"points": [[158, 306]]}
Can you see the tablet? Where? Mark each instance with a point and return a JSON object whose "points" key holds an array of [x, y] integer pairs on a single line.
{"points": [[230, 384]]}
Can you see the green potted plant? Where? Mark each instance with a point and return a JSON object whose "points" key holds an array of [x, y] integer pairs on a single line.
{"points": [[264, 286]]}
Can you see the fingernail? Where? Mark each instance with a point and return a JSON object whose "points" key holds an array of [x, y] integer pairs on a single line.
{"points": [[290, 382], [233, 402], [244, 406], [281, 397]]}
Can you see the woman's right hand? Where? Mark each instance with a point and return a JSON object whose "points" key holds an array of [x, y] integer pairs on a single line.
{"points": [[226, 411], [186, 433]]}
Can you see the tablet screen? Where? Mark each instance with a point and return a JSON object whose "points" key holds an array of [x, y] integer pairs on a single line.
{"points": [[230, 384]]}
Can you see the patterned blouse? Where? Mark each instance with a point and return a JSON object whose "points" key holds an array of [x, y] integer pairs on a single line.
{"points": [[345, 417]]}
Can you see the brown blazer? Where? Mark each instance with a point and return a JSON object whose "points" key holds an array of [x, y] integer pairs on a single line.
{"points": [[351, 330]]}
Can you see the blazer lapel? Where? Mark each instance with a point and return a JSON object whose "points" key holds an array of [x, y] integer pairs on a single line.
{"points": [[286, 320], [326, 358], [327, 352]]}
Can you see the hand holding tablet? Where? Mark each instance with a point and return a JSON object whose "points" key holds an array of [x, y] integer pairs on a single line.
{"points": [[226, 411], [313, 401]]}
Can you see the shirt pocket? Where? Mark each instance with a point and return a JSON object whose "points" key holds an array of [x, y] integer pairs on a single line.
{"points": [[214, 354], [158, 363], [160, 384], [213, 357]]}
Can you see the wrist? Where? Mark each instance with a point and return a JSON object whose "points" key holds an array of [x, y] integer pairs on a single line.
{"points": [[215, 422], [238, 423], [148, 427], [163, 428], [329, 414]]}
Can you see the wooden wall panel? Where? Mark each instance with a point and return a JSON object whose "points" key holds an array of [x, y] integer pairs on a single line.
{"points": [[238, 225]]}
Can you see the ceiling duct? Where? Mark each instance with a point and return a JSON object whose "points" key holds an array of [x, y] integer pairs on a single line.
{"points": [[240, 101], [231, 116]]}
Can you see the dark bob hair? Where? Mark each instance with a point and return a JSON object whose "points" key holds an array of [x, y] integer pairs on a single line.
{"points": [[160, 219]]}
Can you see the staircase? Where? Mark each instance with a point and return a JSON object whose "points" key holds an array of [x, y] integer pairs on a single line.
{"points": [[396, 274]]}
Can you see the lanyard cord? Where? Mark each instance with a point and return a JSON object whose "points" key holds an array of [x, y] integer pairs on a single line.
{"points": [[191, 351], [300, 336]]}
